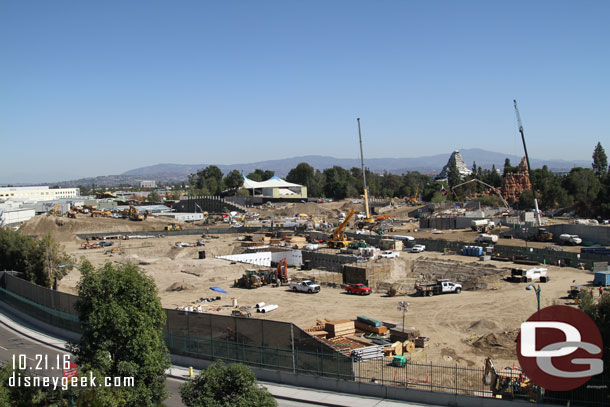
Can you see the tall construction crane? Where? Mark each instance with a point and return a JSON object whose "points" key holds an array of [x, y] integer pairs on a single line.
{"points": [[339, 239], [367, 212], [529, 168]]}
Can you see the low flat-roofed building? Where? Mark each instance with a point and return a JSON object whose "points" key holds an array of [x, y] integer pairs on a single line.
{"points": [[37, 193]]}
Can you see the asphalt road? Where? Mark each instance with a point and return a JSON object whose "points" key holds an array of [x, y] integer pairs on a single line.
{"points": [[44, 360]]}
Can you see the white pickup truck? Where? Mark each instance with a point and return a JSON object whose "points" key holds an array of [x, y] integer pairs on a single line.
{"points": [[440, 287], [389, 254], [306, 286]]}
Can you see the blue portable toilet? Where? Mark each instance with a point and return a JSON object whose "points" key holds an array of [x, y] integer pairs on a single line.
{"points": [[602, 278]]}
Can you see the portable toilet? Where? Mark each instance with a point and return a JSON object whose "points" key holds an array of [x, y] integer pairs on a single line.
{"points": [[602, 278]]}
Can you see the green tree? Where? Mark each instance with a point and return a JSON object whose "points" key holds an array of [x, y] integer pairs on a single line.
{"points": [[508, 168], [599, 311], [225, 386], [302, 174], [122, 322], [600, 161], [233, 180], [584, 186], [261, 175], [40, 260], [453, 175], [154, 196]]}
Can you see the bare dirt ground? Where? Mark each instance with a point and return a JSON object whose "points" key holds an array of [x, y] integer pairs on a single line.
{"points": [[463, 328]]}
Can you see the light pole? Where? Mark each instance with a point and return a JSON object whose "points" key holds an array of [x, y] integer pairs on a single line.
{"points": [[537, 291], [531, 287], [404, 307]]}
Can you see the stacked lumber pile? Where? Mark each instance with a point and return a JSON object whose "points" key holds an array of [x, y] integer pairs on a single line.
{"points": [[295, 239], [339, 328], [409, 334], [367, 324], [399, 348]]}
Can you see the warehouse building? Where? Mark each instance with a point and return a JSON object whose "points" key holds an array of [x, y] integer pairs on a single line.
{"points": [[39, 193], [13, 217]]}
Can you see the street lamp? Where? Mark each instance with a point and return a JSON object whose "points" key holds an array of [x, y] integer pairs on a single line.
{"points": [[404, 307], [537, 291], [531, 287]]}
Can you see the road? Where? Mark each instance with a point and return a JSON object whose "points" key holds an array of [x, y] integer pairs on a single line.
{"points": [[45, 360]]}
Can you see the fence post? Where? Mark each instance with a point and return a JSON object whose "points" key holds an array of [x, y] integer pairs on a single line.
{"points": [[294, 367], [430, 375], [456, 378]]}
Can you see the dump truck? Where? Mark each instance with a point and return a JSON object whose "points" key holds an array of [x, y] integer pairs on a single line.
{"points": [[440, 287], [542, 235]]}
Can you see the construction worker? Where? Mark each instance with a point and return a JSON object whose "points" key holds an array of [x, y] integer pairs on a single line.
{"points": [[601, 291]]}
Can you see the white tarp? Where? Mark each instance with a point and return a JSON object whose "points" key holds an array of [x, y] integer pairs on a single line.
{"points": [[273, 182], [293, 258], [258, 259]]}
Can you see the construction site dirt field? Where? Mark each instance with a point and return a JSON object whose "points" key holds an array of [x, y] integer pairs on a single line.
{"points": [[463, 328]]}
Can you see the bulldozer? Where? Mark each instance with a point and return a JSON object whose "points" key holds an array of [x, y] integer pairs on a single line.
{"points": [[510, 386], [173, 227], [72, 214], [96, 213], [250, 279]]}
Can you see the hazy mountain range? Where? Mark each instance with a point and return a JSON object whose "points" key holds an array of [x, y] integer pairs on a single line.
{"points": [[428, 165]]}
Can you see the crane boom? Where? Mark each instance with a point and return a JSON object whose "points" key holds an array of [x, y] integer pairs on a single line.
{"points": [[366, 190], [527, 160]]}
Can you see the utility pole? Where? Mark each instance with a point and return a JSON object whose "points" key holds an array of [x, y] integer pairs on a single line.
{"points": [[529, 168]]}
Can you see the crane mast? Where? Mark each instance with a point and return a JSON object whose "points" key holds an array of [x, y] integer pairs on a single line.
{"points": [[366, 191], [527, 160]]}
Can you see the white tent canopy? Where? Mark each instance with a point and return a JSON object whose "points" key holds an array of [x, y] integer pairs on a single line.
{"points": [[273, 182]]}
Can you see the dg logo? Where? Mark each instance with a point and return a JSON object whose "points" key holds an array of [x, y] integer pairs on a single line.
{"points": [[560, 348]]}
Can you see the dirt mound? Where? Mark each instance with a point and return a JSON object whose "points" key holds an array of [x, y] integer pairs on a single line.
{"points": [[65, 229], [180, 287], [482, 325], [497, 344]]}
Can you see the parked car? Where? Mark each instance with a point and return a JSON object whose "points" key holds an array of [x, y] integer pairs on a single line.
{"points": [[388, 254], [360, 289], [418, 248], [104, 243]]}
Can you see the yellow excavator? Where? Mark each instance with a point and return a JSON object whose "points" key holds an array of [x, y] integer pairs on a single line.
{"points": [[56, 211], [511, 386], [134, 214], [338, 239]]}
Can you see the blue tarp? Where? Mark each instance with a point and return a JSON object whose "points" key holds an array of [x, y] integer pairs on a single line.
{"points": [[220, 290]]}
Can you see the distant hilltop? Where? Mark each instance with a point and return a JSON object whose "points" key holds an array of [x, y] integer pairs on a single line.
{"points": [[164, 173]]}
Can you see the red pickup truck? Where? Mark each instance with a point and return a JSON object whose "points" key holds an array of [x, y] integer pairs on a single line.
{"points": [[358, 289]]}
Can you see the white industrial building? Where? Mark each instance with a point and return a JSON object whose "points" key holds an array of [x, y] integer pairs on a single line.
{"points": [[148, 184], [40, 193], [9, 217]]}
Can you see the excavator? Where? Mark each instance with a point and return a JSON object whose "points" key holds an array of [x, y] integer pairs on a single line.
{"points": [[338, 239], [56, 211], [508, 385], [134, 214], [279, 276]]}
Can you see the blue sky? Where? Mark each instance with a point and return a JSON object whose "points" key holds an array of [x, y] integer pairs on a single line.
{"points": [[96, 88]]}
